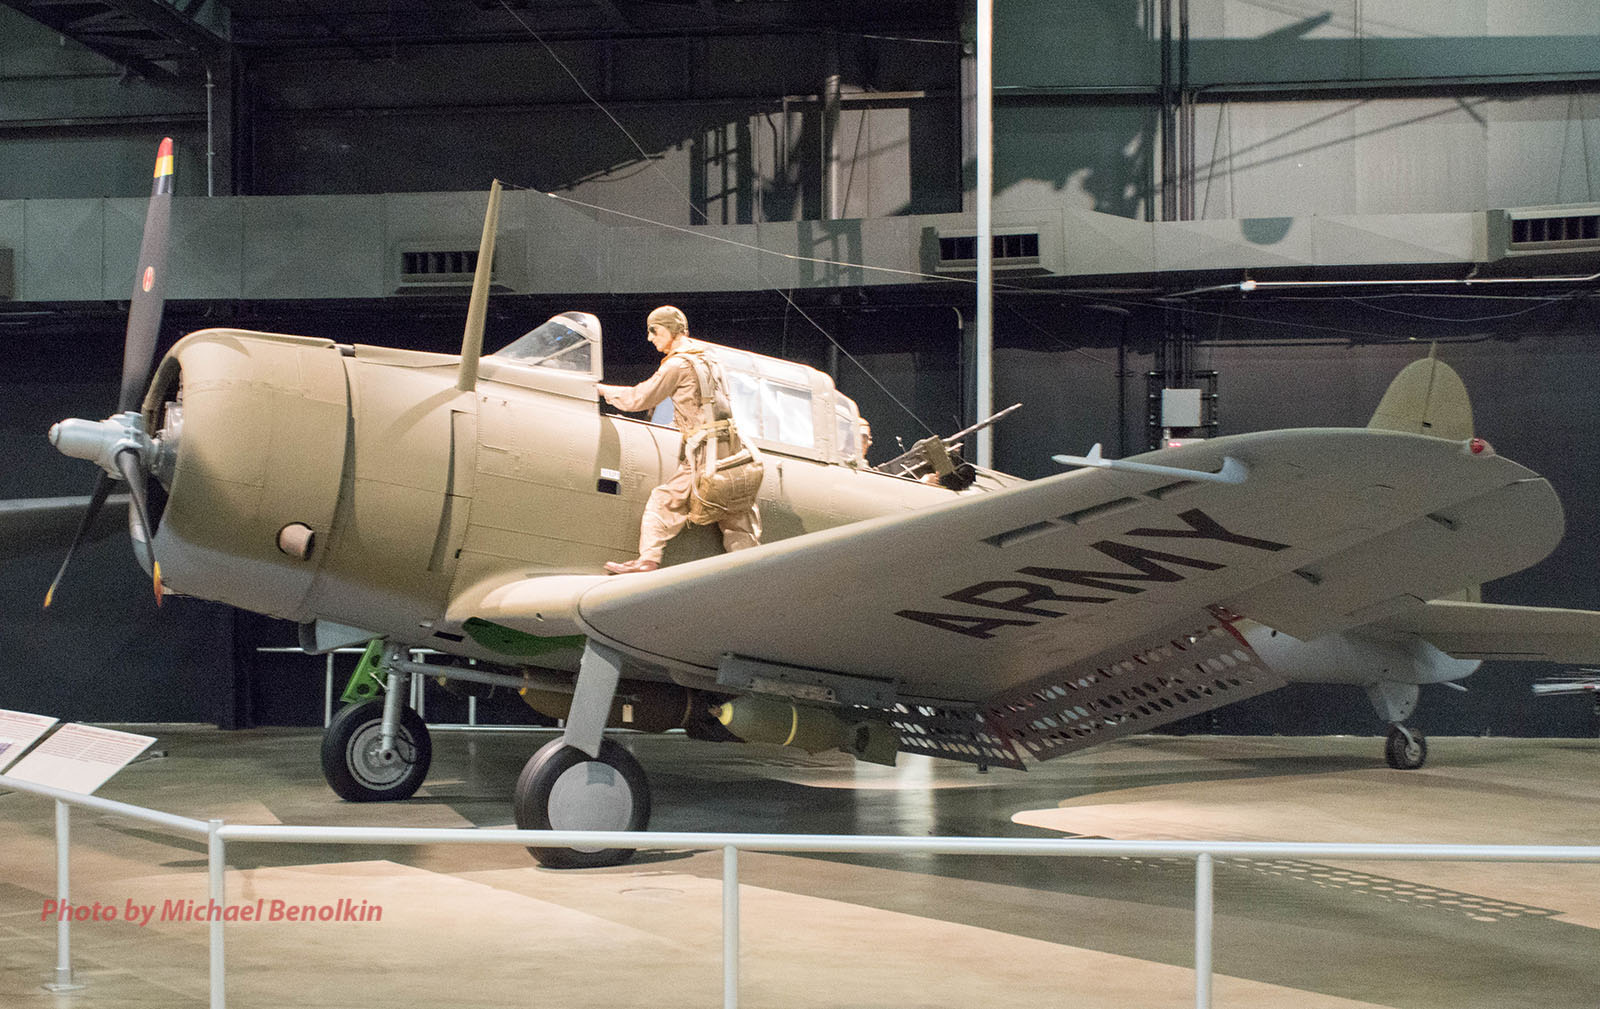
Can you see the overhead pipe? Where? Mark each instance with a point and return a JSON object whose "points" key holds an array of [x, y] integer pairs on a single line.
{"points": [[1248, 286]]}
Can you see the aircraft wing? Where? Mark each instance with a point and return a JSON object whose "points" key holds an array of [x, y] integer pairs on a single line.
{"points": [[1488, 631], [996, 598], [31, 525]]}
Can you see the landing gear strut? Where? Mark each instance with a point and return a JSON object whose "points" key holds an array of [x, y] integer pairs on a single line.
{"points": [[1406, 749], [583, 781]]}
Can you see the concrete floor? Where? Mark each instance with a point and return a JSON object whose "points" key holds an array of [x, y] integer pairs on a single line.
{"points": [[467, 926]]}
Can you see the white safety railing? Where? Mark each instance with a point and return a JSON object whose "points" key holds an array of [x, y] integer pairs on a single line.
{"points": [[1204, 854]]}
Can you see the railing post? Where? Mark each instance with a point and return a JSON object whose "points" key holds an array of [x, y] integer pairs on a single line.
{"points": [[216, 863], [730, 927], [1202, 931], [63, 981]]}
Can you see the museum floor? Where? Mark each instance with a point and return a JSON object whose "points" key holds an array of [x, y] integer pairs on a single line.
{"points": [[483, 926]]}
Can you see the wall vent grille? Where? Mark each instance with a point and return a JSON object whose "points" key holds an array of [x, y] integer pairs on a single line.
{"points": [[959, 253], [438, 268], [1571, 231]]}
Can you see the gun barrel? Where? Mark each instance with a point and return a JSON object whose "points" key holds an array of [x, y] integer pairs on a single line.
{"points": [[980, 425]]}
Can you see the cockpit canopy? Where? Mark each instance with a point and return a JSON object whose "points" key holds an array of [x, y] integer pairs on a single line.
{"points": [[567, 342], [780, 404]]}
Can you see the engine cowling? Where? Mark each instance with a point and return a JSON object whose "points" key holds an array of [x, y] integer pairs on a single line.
{"points": [[251, 431]]}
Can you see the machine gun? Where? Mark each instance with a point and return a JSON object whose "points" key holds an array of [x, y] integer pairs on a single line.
{"points": [[941, 457], [1578, 681]]}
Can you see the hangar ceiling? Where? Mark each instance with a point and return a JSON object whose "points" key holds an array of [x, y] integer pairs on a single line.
{"points": [[267, 23], [150, 38], [161, 40]]}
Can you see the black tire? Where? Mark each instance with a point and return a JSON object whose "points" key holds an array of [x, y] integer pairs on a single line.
{"points": [[350, 754], [1405, 754], [609, 793]]}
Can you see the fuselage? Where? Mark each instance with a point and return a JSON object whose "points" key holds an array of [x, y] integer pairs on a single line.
{"points": [[358, 485]]}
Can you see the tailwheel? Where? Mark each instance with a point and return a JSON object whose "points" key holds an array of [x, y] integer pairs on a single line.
{"points": [[1406, 749], [353, 760], [563, 788]]}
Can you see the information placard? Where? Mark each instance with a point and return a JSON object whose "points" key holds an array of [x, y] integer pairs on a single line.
{"points": [[18, 731], [80, 758]]}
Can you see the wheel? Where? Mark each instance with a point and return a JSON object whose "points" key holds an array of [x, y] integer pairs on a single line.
{"points": [[563, 788], [1406, 749], [353, 765]]}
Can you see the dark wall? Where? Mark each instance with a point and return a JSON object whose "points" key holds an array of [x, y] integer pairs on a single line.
{"points": [[104, 651], [1531, 364]]}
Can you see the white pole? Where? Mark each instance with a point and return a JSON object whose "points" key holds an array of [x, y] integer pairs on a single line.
{"points": [[216, 862], [327, 692], [1202, 931], [730, 927], [985, 341], [211, 147], [63, 897]]}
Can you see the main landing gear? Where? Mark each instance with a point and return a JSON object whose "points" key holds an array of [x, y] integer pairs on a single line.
{"points": [[583, 781], [563, 788]]}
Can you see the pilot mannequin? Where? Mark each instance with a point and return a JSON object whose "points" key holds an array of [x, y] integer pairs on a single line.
{"points": [[667, 511]]}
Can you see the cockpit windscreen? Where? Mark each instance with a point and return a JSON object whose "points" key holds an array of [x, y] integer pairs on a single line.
{"points": [[565, 342]]}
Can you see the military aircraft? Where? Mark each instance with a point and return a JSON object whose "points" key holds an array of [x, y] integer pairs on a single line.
{"points": [[467, 503]]}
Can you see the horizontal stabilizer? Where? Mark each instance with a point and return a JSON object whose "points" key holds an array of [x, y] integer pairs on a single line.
{"points": [[1489, 631]]}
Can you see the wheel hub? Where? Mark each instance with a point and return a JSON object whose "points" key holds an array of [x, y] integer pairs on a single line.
{"points": [[371, 764]]}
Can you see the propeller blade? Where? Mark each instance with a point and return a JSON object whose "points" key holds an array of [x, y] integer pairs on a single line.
{"points": [[102, 488], [133, 473], [149, 286]]}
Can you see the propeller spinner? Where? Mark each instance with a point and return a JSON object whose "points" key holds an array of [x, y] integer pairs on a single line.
{"points": [[120, 446]]}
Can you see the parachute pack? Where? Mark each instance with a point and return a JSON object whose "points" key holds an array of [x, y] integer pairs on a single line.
{"points": [[724, 483]]}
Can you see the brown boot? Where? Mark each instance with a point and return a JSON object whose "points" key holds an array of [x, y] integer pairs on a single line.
{"points": [[636, 566]]}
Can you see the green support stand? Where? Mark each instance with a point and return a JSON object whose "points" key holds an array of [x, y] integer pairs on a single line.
{"points": [[365, 682]]}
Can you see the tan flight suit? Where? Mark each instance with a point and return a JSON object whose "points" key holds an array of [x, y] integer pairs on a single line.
{"points": [[667, 511]]}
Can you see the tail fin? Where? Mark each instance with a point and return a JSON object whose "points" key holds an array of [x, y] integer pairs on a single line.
{"points": [[1428, 397]]}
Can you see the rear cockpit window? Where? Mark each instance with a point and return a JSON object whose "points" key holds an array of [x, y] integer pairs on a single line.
{"points": [[786, 414], [771, 399]]}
